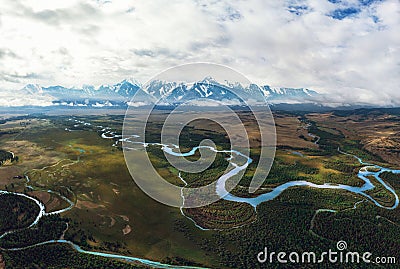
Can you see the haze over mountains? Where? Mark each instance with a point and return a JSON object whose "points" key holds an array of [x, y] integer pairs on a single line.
{"points": [[164, 92]]}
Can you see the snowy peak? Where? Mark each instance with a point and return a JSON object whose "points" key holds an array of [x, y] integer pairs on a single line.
{"points": [[125, 88], [32, 89], [277, 93], [132, 81], [210, 80], [172, 93], [158, 88], [167, 93], [209, 88]]}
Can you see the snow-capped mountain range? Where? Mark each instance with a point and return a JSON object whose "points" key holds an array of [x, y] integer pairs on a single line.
{"points": [[165, 92]]}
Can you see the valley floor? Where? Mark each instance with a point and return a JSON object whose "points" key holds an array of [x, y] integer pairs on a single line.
{"points": [[99, 208]]}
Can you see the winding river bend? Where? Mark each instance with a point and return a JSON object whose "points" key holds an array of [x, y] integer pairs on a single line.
{"points": [[363, 174], [42, 212], [107, 133]]}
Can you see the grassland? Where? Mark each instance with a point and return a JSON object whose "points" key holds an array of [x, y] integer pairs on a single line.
{"points": [[106, 198], [112, 214], [375, 130]]}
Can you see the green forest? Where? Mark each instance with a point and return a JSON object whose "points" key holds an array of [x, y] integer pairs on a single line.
{"points": [[7, 156]]}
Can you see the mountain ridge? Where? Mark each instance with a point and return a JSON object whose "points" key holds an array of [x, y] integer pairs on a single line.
{"points": [[166, 92]]}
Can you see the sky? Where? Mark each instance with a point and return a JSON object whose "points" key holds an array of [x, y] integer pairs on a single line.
{"points": [[348, 50]]}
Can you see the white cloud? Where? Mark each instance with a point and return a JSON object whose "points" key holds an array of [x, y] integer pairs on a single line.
{"points": [[356, 59], [23, 97]]}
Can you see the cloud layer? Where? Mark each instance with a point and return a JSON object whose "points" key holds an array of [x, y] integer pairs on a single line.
{"points": [[349, 49]]}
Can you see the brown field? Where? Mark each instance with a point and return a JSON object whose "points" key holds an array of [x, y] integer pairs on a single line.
{"points": [[289, 129], [379, 134]]}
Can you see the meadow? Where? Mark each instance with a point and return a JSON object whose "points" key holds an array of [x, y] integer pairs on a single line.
{"points": [[111, 214]]}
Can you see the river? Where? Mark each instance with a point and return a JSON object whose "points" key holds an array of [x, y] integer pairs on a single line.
{"points": [[107, 133]]}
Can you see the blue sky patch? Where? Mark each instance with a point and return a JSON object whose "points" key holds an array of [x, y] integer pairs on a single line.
{"points": [[345, 9], [297, 9], [342, 13], [362, 2], [368, 2]]}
